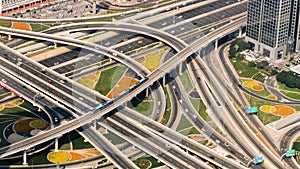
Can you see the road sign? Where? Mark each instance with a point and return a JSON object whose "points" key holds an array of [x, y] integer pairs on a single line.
{"points": [[258, 159], [290, 153], [252, 110]]}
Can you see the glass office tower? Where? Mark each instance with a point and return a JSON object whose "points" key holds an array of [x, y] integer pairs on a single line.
{"points": [[273, 26]]}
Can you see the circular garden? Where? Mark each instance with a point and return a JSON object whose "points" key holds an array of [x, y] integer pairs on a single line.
{"points": [[253, 85], [278, 110]]}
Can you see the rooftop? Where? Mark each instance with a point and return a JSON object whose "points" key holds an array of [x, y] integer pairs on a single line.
{"points": [[296, 69]]}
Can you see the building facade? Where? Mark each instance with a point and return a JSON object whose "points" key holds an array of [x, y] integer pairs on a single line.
{"points": [[273, 27]]}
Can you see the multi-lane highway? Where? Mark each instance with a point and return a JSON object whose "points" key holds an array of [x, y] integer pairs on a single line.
{"points": [[85, 118], [40, 79]]}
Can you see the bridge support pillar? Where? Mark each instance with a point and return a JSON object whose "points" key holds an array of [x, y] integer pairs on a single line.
{"points": [[56, 144], [94, 7], [164, 80], [95, 124], [25, 157], [180, 68], [147, 92], [9, 37], [240, 31], [216, 44], [55, 45]]}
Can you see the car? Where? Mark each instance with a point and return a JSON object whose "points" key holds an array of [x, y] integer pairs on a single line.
{"points": [[226, 144], [218, 141], [49, 81], [80, 98], [55, 119], [62, 81], [198, 78]]}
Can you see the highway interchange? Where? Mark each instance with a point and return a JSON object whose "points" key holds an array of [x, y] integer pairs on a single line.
{"points": [[71, 102]]}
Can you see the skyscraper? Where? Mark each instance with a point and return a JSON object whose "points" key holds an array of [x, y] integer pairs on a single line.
{"points": [[273, 27]]}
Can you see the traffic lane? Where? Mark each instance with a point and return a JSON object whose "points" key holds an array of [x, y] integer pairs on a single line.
{"points": [[97, 58], [157, 142], [42, 85], [239, 124], [192, 13], [48, 62], [143, 144], [23, 90], [175, 107], [253, 119], [166, 147], [208, 130], [208, 19], [80, 64], [194, 36], [232, 150], [37, 71], [285, 141], [170, 135], [53, 30], [101, 144]]}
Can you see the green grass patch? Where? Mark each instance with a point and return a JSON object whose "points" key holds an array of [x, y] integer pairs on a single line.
{"points": [[267, 118], [292, 95], [101, 20], [296, 146], [40, 158], [201, 108], [230, 156], [243, 69], [114, 138], [109, 78], [39, 27], [193, 130], [203, 142], [283, 86], [144, 108], [17, 111], [79, 143], [152, 60], [168, 109], [183, 123], [153, 161], [142, 163], [6, 24], [2, 127], [5, 95], [27, 105], [4, 118], [186, 82]]}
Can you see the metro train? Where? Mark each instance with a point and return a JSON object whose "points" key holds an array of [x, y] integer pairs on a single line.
{"points": [[103, 106]]}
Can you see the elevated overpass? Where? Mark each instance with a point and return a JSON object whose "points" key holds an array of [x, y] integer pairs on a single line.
{"points": [[154, 76]]}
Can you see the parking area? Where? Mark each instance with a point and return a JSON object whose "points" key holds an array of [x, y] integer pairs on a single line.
{"points": [[59, 9]]}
